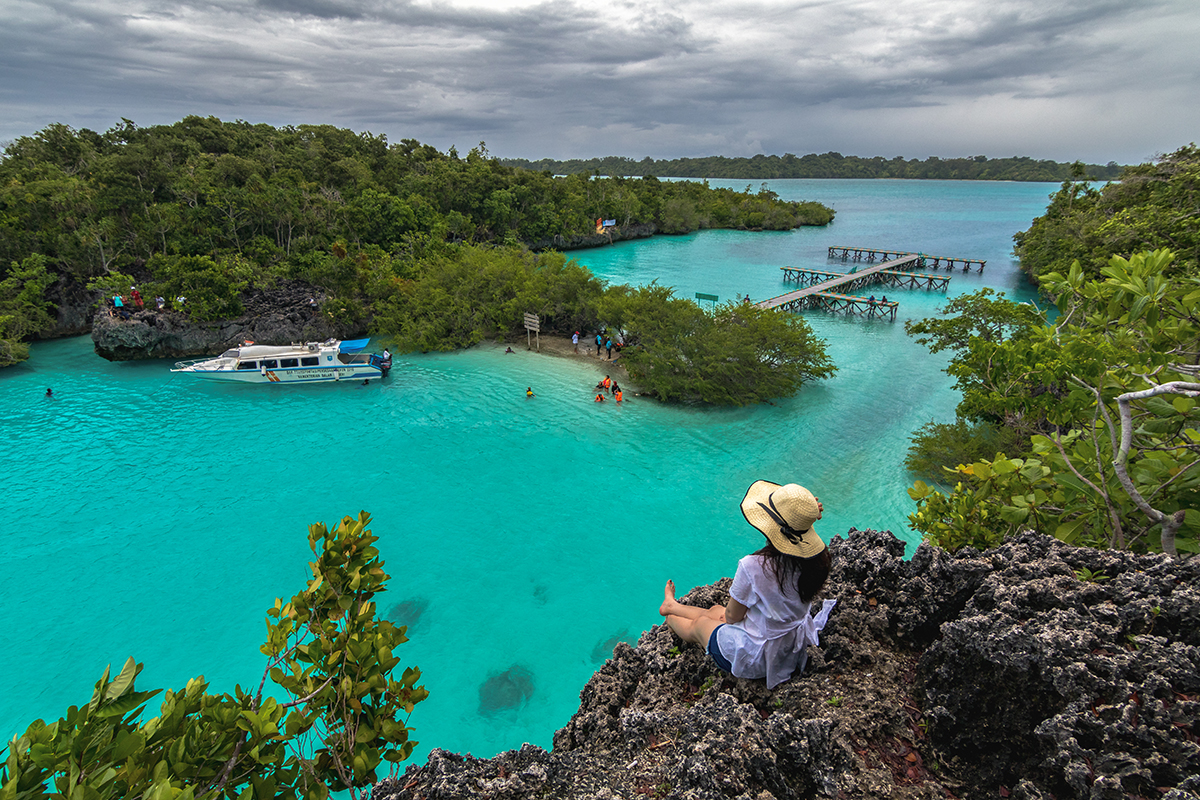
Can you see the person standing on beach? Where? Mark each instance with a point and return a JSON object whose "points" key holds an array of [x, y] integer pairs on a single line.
{"points": [[575, 340], [599, 342], [608, 347]]}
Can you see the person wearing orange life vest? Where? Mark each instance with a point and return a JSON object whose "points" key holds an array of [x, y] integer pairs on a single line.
{"points": [[607, 382], [599, 398], [619, 395]]}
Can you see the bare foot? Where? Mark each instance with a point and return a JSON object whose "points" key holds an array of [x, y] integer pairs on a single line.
{"points": [[669, 601]]}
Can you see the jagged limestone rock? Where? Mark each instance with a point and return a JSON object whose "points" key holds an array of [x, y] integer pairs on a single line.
{"points": [[967, 675], [276, 316]]}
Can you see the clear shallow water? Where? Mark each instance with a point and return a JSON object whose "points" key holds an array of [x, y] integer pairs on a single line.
{"points": [[155, 516]]}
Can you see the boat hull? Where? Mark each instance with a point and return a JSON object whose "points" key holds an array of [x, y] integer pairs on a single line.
{"points": [[344, 372], [311, 362]]}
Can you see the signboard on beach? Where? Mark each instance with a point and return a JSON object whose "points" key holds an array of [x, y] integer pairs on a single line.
{"points": [[532, 324]]}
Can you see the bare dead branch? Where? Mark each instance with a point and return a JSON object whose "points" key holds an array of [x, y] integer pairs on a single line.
{"points": [[1170, 523]]}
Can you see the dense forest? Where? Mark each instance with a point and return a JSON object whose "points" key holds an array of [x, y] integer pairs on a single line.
{"points": [[94, 202], [435, 250], [828, 165], [1081, 423], [1154, 205]]}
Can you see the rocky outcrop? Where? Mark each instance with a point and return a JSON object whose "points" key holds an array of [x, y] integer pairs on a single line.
{"points": [[996, 674], [74, 307], [276, 316], [616, 234]]}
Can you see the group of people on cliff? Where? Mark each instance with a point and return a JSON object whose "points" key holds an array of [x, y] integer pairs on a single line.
{"points": [[120, 306]]}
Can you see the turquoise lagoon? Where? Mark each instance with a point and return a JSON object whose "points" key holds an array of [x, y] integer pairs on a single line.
{"points": [[153, 516]]}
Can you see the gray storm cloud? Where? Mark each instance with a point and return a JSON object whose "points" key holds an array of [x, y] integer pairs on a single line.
{"points": [[1058, 80]]}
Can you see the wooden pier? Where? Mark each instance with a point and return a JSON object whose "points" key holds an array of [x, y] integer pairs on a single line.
{"points": [[887, 277], [822, 295], [870, 254], [845, 304]]}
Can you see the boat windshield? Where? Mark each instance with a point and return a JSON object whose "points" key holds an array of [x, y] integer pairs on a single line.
{"points": [[230, 354]]}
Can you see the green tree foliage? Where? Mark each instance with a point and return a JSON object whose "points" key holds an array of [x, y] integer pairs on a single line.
{"points": [[212, 290], [1115, 463], [825, 165], [1152, 206], [447, 297], [941, 446], [208, 209], [326, 650], [976, 329], [737, 355], [24, 311], [452, 297]]}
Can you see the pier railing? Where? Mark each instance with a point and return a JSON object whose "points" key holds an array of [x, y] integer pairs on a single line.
{"points": [[924, 261], [886, 277]]}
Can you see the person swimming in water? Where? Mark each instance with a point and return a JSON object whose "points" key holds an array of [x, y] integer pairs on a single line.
{"points": [[49, 393], [529, 392]]}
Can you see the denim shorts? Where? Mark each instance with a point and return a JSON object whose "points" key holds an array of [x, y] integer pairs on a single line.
{"points": [[714, 650]]}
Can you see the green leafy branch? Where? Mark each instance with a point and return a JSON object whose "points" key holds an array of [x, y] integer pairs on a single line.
{"points": [[326, 649]]}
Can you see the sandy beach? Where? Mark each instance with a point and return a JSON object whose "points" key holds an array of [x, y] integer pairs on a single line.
{"points": [[561, 346]]}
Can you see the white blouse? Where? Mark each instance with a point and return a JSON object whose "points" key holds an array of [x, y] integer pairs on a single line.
{"points": [[771, 640]]}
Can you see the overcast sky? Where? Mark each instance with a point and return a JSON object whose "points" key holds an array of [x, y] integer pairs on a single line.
{"points": [[1099, 80]]}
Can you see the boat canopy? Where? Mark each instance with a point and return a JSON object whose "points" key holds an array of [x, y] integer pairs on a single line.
{"points": [[353, 345], [264, 350]]}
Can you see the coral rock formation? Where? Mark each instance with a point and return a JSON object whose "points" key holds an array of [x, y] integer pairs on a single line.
{"points": [[275, 316], [1008, 673]]}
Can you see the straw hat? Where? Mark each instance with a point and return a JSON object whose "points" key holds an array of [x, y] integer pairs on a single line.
{"points": [[786, 515]]}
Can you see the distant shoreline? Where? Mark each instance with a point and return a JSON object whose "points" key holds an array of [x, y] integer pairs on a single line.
{"points": [[826, 166]]}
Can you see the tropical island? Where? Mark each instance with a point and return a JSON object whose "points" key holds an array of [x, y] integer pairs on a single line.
{"points": [[233, 221]]}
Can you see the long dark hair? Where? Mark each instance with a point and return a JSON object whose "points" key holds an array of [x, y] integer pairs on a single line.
{"points": [[806, 575]]}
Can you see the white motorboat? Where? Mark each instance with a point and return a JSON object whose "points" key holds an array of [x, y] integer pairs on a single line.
{"points": [[310, 362]]}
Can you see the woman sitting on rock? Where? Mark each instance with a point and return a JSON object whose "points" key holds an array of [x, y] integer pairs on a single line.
{"points": [[765, 628]]}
